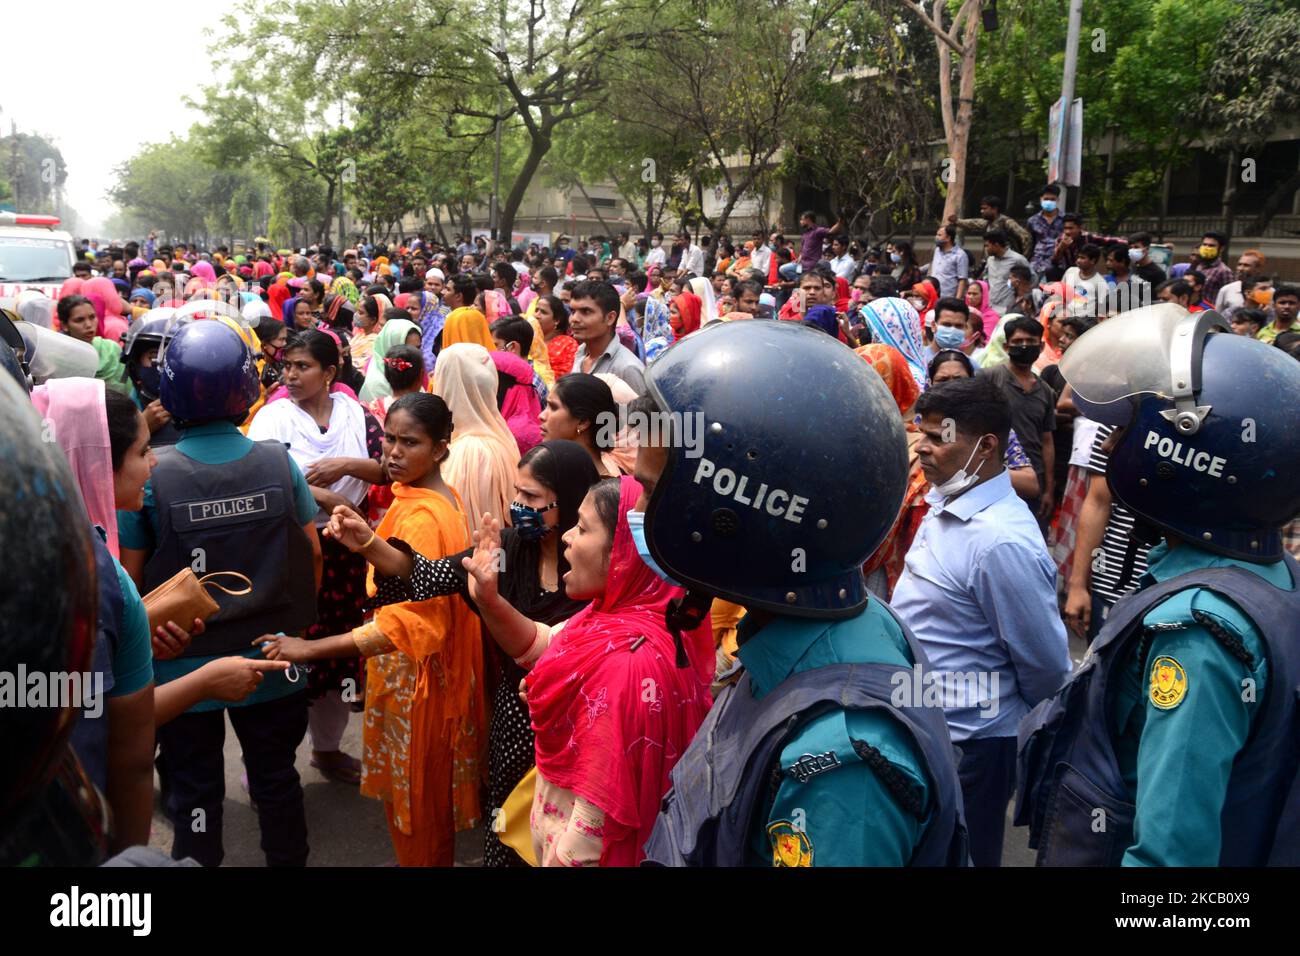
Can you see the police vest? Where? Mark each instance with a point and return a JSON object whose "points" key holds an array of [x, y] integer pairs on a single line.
{"points": [[1069, 777], [236, 516], [726, 774], [90, 734]]}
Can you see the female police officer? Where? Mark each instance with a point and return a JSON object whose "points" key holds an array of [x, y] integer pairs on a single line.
{"points": [[1174, 743], [219, 502], [813, 757]]}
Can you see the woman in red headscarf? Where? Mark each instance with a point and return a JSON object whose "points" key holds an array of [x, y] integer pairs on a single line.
{"points": [[603, 751], [684, 314], [883, 568]]}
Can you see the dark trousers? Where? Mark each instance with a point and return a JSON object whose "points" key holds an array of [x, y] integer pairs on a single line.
{"points": [[191, 748], [988, 778]]}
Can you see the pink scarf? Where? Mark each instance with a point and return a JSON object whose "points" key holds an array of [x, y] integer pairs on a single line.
{"points": [[521, 409], [596, 735], [74, 407]]}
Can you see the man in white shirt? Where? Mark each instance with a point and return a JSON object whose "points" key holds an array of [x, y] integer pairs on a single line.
{"points": [[842, 264], [657, 255], [692, 256], [1230, 297], [626, 247], [761, 256], [1091, 292]]}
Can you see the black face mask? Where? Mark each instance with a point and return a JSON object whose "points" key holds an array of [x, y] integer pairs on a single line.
{"points": [[147, 381], [1024, 354]]}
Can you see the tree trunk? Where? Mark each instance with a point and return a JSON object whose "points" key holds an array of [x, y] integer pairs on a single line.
{"points": [[965, 112], [323, 231], [537, 150]]}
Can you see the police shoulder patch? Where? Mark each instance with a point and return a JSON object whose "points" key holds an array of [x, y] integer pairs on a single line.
{"points": [[1168, 683], [791, 846]]}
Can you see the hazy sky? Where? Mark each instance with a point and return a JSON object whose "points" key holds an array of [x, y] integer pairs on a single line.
{"points": [[100, 80]]}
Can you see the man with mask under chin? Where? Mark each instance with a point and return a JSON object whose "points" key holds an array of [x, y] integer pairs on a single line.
{"points": [[978, 590]]}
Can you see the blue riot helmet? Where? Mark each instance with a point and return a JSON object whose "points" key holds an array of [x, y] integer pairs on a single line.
{"points": [[788, 467], [1209, 450], [208, 374], [147, 332]]}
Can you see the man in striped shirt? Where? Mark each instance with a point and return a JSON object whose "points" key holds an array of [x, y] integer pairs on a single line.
{"points": [[1108, 557]]}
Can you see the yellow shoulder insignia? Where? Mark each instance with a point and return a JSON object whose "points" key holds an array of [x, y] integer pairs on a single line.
{"points": [[790, 846], [1168, 683]]}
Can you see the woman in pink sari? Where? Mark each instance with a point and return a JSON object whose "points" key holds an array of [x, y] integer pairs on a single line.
{"points": [[109, 307], [977, 300], [603, 751], [517, 399]]}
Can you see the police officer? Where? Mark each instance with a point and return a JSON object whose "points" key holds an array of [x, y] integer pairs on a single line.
{"points": [[140, 353], [1174, 742], [219, 502], [815, 755]]}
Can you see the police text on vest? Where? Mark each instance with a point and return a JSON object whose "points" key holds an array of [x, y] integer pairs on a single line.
{"points": [[227, 507]]}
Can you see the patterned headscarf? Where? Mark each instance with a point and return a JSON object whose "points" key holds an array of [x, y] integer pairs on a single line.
{"points": [[895, 323]]}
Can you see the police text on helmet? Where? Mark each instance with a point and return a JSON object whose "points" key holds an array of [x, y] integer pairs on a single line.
{"points": [[1166, 447], [775, 501]]}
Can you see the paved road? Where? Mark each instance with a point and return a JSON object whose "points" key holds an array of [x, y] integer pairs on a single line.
{"points": [[347, 829]]}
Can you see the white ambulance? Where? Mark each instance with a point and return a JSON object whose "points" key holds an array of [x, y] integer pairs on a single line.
{"points": [[34, 254]]}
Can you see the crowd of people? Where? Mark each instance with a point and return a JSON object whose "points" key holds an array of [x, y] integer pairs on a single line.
{"points": [[421, 462]]}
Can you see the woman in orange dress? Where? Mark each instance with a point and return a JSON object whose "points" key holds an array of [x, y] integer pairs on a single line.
{"points": [[424, 720]]}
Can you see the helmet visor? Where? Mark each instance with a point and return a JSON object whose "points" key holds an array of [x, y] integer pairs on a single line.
{"points": [[1123, 358]]}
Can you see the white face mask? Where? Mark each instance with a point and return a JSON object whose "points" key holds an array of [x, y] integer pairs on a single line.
{"points": [[960, 480]]}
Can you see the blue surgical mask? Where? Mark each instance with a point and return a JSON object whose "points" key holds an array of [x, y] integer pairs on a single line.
{"points": [[636, 524], [895, 257], [1135, 255], [949, 337], [1049, 205], [528, 522]]}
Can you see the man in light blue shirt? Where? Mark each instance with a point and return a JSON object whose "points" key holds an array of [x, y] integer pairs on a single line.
{"points": [[979, 592], [951, 264]]}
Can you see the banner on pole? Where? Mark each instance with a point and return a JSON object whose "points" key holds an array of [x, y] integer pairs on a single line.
{"points": [[1065, 153]]}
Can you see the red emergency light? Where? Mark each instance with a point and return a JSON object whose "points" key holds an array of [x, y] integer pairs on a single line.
{"points": [[27, 219]]}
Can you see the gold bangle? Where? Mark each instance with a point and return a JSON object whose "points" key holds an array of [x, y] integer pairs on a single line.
{"points": [[370, 540]]}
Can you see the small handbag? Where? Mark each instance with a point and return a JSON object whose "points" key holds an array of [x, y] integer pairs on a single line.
{"points": [[182, 598], [512, 825]]}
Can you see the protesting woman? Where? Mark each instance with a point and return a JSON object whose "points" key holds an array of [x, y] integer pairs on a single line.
{"points": [[553, 319], [581, 408], [551, 481], [398, 330], [603, 751], [481, 461], [424, 706], [338, 446], [78, 320]]}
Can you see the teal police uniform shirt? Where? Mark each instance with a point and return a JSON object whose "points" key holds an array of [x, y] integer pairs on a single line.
{"points": [[842, 814], [1182, 707], [213, 444], [133, 659]]}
